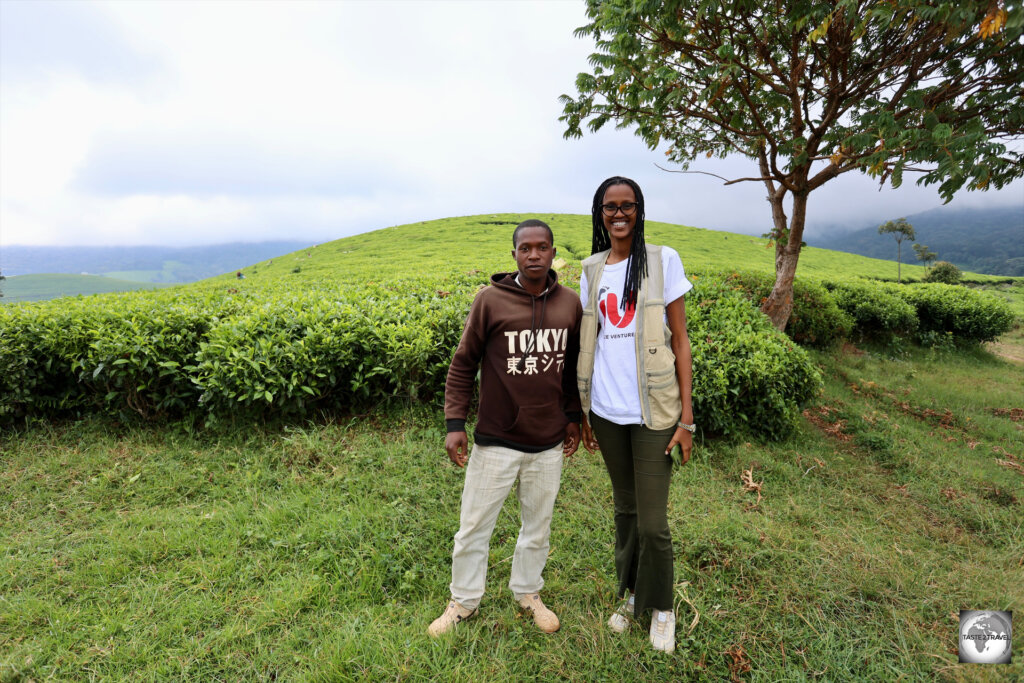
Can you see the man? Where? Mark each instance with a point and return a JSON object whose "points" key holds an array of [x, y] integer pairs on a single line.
{"points": [[523, 334]]}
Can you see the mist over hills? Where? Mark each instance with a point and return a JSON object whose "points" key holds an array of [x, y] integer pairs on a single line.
{"points": [[143, 264], [980, 240]]}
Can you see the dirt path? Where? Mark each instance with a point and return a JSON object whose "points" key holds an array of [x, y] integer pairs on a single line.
{"points": [[1010, 346]]}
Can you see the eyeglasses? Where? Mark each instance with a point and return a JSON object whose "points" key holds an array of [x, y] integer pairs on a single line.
{"points": [[627, 209]]}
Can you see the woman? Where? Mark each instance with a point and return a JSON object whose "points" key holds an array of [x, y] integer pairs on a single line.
{"points": [[635, 380]]}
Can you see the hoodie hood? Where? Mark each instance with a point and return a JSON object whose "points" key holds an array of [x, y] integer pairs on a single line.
{"points": [[508, 281]]}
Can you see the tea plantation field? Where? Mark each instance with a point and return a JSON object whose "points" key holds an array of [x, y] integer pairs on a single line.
{"points": [[52, 285], [245, 479]]}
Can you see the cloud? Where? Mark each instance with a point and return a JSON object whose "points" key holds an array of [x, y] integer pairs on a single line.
{"points": [[226, 164], [44, 40]]}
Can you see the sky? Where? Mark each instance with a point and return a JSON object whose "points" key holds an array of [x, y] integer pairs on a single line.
{"points": [[188, 123]]}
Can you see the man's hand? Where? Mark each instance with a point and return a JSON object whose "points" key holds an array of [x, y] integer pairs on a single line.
{"points": [[457, 445], [684, 439], [589, 440], [572, 439]]}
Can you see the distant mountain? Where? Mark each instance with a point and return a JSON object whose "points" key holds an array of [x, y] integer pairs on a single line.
{"points": [[143, 264], [981, 240]]}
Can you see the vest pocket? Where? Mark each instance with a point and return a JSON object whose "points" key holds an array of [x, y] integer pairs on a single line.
{"points": [[662, 387]]}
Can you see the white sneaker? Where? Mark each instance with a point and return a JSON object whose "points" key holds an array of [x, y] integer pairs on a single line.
{"points": [[663, 630], [621, 618]]}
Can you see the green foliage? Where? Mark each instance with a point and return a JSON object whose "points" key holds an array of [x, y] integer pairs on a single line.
{"points": [[333, 348], [748, 377], [815, 320], [878, 311], [944, 272], [969, 316], [900, 229], [130, 354]]}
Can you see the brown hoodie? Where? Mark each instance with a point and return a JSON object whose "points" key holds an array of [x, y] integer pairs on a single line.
{"points": [[525, 347]]}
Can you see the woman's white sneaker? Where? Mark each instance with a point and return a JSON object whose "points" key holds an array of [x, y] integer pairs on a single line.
{"points": [[663, 630], [621, 618]]}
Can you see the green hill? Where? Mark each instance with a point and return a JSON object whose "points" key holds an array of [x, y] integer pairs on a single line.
{"points": [[53, 285], [484, 243]]}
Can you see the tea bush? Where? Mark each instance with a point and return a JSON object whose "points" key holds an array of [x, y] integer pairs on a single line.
{"points": [[334, 349], [748, 376], [815, 320], [878, 310], [969, 316], [120, 353]]}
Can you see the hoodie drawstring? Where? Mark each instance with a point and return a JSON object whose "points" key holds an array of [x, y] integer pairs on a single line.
{"points": [[533, 332]]}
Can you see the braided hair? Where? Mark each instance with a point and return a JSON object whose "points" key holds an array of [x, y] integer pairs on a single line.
{"points": [[636, 267]]}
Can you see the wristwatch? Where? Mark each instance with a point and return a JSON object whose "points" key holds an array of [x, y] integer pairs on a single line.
{"points": [[690, 428]]}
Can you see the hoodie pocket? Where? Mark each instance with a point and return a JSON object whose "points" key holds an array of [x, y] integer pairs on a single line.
{"points": [[542, 422]]}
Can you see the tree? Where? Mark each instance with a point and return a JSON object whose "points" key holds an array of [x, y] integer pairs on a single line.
{"points": [[923, 255], [809, 90], [901, 230]]}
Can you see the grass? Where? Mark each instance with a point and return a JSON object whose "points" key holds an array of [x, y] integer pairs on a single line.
{"points": [[40, 287], [321, 552]]}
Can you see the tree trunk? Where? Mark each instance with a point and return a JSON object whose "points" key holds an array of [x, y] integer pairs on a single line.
{"points": [[779, 304], [899, 261]]}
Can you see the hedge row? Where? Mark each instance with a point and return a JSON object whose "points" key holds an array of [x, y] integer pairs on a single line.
{"points": [[882, 311], [256, 351], [831, 311], [229, 351], [253, 353]]}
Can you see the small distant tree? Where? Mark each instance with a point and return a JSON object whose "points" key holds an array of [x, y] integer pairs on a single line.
{"points": [[901, 230], [2, 278], [945, 272], [923, 255]]}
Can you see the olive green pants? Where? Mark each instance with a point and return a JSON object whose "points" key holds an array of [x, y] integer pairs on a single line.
{"points": [[641, 473]]}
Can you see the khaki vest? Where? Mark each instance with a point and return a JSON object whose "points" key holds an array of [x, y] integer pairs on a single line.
{"points": [[660, 405]]}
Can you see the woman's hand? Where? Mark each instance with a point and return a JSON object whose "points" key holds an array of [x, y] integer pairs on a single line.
{"points": [[684, 439], [589, 441]]}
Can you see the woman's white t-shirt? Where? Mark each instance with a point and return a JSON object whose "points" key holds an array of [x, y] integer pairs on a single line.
{"points": [[615, 392]]}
